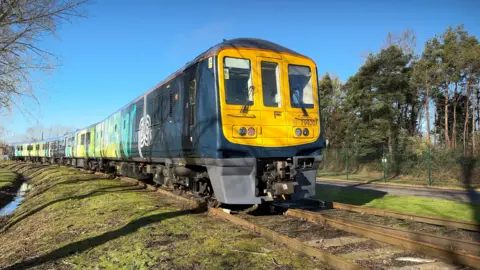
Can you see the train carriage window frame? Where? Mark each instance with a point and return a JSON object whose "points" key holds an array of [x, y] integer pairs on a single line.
{"points": [[138, 116], [271, 89], [154, 107], [87, 138], [234, 68], [301, 96], [82, 139], [192, 97]]}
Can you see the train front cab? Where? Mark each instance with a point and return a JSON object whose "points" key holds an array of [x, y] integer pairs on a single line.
{"points": [[269, 115]]}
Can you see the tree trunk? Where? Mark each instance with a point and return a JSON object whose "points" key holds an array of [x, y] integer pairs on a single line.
{"points": [[447, 137], [475, 118], [467, 116], [390, 150], [435, 125], [454, 126], [427, 112], [473, 128]]}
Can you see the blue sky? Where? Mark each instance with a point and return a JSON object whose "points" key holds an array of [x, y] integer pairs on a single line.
{"points": [[125, 47]]}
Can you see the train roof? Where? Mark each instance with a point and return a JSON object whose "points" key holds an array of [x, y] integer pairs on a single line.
{"points": [[252, 43]]}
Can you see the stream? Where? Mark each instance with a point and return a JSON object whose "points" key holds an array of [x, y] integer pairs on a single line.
{"points": [[10, 207]]}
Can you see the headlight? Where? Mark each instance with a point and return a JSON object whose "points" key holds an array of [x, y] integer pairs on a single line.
{"points": [[298, 132], [251, 131], [306, 132], [242, 131]]}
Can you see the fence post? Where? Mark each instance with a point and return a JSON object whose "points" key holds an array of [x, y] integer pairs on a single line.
{"points": [[428, 164], [346, 153]]}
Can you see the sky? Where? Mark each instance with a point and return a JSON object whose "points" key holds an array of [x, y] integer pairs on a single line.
{"points": [[123, 48]]}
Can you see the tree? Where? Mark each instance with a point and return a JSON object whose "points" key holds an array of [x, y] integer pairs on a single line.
{"points": [[23, 25], [326, 92], [39, 132], [406, 41], [470, 67]]}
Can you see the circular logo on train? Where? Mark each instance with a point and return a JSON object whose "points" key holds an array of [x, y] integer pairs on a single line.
{"points": [[145, 131]]}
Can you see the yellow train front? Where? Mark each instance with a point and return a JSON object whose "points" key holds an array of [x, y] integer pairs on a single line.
{"points": [[270, 140]]}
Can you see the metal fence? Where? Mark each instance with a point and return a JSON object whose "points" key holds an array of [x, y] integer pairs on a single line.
{"points": [[432, 166]]}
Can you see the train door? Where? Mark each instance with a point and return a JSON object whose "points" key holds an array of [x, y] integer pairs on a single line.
{"points": [[274, 128], [51, 149], [87, 144], [189, 94]]}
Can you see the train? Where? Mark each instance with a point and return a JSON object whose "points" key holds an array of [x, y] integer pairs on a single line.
{"points": [[240, 124]]}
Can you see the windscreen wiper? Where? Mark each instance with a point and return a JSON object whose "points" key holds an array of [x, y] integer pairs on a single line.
{"points": [[302, 106], [244, 108]]}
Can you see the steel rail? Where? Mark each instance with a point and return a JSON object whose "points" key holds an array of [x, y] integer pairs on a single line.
{"points": [[372, 231], [471, 226]]}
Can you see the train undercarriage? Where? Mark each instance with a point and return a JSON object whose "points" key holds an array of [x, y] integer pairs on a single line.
{"points": [[255, 181]]}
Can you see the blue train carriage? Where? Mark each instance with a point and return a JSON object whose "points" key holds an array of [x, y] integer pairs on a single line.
{"points": [[240, 123]]}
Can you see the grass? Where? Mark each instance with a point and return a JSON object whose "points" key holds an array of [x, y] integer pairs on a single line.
{"points": [[77, 220], [402, 179], [406, 204], [362, 176], [7, 178], [8, 186]]}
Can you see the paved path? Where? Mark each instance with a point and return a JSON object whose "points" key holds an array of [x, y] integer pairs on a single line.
{"points": [[446, 194]]}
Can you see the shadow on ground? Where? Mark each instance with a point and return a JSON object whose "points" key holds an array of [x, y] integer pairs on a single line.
{"points": [[97, 192], [92, 242], [350, 194], [468, 168]]}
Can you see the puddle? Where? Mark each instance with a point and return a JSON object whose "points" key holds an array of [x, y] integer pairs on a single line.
{"points": [[9, 208]]}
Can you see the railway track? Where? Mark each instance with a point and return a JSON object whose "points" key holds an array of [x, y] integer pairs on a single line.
{"points": [[465, 225], [347, 244]]}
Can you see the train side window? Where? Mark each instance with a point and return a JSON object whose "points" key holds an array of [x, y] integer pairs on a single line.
{"points": [[138, 116], [37, 147], [170, 103], [88, 138], [237, 73], [82, 139], [156, 107], [192, 89]]}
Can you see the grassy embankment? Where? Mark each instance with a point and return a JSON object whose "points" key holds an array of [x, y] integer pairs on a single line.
{"points": [[8, 185], [73, 219], [407, 204], [7, 178]]}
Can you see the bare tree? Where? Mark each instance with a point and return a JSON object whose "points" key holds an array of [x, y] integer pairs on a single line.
{"points": [[39, 132], [406, 41], [23, 25]]}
